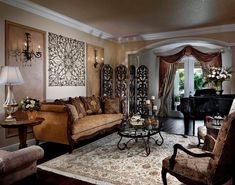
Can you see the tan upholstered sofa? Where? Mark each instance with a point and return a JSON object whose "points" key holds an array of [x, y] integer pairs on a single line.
{"points": [[75, 120]]}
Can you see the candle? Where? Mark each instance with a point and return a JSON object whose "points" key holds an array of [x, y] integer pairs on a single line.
{"points": [[155, 107], [147, 102], [39, 47], [152, 97]]}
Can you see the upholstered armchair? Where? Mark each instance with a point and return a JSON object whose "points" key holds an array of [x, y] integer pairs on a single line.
{"points": [[201, 167], [17, 165]]}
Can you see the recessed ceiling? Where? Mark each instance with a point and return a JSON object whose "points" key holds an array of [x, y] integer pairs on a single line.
{"points": [[124, 18]]}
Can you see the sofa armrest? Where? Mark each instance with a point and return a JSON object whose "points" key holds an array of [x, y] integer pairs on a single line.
{"points": [[73, 114], [56, 126], [14, 160]]}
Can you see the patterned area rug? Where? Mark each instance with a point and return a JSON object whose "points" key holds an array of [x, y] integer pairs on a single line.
{"points": [[101, 162]]}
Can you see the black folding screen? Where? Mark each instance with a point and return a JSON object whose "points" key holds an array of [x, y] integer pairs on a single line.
{"points": [[131, 85]]}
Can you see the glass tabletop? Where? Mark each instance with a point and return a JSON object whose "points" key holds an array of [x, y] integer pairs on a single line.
{"points": [[128, 129]]}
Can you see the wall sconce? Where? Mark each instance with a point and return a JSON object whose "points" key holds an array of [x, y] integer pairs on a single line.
{"points": [[27, 51], [97, 63]]}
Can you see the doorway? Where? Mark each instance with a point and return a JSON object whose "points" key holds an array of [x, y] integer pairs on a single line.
{"points": [[188, 79]]}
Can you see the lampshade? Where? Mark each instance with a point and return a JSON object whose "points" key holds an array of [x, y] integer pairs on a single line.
{"points": [[10, 75]]}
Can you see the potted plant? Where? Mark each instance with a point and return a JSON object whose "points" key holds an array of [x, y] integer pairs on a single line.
{"points": [[30, 106]]}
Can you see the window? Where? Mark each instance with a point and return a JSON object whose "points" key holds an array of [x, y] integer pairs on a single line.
{"points": [[188, 79]]}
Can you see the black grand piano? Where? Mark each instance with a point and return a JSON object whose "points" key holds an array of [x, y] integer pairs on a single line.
{"points": [[201, 105]]}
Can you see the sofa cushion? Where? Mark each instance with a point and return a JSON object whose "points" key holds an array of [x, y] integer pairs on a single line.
{"points": [[94, 121], [92, 105], [79, 106], [111, 105]]}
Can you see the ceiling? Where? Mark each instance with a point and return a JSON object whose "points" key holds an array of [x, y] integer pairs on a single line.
{"points": [[124, 18]]}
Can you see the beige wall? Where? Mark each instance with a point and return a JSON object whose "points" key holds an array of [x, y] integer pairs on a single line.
{"points": [[22, 17], [114, 54]]}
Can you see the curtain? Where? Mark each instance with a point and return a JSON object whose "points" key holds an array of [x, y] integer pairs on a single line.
{"points": [[167, 88], [168, 67]]}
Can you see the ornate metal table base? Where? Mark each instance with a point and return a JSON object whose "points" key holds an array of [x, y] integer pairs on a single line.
{"points": [[123, 146]]}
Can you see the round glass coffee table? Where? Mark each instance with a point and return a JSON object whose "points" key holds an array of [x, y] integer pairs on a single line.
{"points": [[135, 132]]}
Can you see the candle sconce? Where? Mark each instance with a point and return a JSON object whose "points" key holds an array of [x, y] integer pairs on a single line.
{"points": [[97, 63], [27, 51]]}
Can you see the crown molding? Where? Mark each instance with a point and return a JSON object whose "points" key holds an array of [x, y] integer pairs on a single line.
{"points": [[57, 17], [180, 33]]}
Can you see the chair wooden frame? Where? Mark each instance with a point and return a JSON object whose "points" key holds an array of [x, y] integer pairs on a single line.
{"points": [[221, 161]]}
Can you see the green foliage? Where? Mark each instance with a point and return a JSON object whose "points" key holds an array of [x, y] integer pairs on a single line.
{"points": [[181, 81], [198, 81]]}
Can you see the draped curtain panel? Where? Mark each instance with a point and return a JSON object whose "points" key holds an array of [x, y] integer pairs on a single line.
{"points": [[169, 65], [213, 59], [167, 89]]}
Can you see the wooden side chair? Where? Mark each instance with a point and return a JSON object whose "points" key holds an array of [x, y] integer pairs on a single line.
{"points": [[202, 167]]}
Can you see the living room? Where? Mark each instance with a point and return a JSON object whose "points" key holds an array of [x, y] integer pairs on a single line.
{"points": [[119, 43]]}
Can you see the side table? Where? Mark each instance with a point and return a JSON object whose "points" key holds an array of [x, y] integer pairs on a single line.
{"points": [[22, 125]]}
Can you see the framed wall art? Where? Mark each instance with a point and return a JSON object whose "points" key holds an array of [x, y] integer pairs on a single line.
{"points": [[66, 61]]}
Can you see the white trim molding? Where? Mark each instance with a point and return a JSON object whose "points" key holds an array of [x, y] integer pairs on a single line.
{"points": [[180, 33], [57, 17]]}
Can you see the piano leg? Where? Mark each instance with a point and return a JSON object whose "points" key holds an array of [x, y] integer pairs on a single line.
{"points": [[186, 125]]}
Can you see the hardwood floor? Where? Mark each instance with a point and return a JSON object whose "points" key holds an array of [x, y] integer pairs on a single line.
{"points": [[52, 150]]}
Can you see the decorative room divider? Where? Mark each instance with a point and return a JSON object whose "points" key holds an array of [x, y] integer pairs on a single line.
{"points": [[130, 82], [132, 90], [142, 89], [121, 85], [106, 80]]}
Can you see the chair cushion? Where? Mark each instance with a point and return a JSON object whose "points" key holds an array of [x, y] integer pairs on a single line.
{"points": [[92, 105], [189, 166], [94, 121]]}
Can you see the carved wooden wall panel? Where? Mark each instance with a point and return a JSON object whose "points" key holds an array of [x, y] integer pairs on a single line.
{"points": [[121, 84], [142, 89], [93, 74], [132, 90], [33, 72], [106, 80]]}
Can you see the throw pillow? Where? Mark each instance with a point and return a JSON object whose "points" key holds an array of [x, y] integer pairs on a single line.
{"points": [[111, 105], [92, 104], [79, 106], [62, 101]]}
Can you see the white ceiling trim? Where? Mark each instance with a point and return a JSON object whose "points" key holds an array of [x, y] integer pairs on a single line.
{"points": [[57, 17], [180, 33]]}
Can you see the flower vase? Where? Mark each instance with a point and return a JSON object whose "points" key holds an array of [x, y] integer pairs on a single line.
{"points": [[218, 87], [32, 115]]}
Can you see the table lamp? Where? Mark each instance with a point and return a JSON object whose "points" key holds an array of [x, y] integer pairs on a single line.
{"points": [[9, 76]]}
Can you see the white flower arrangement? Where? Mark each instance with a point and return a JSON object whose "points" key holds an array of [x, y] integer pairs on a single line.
{"points": [[30, 104], [218, 74]]}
